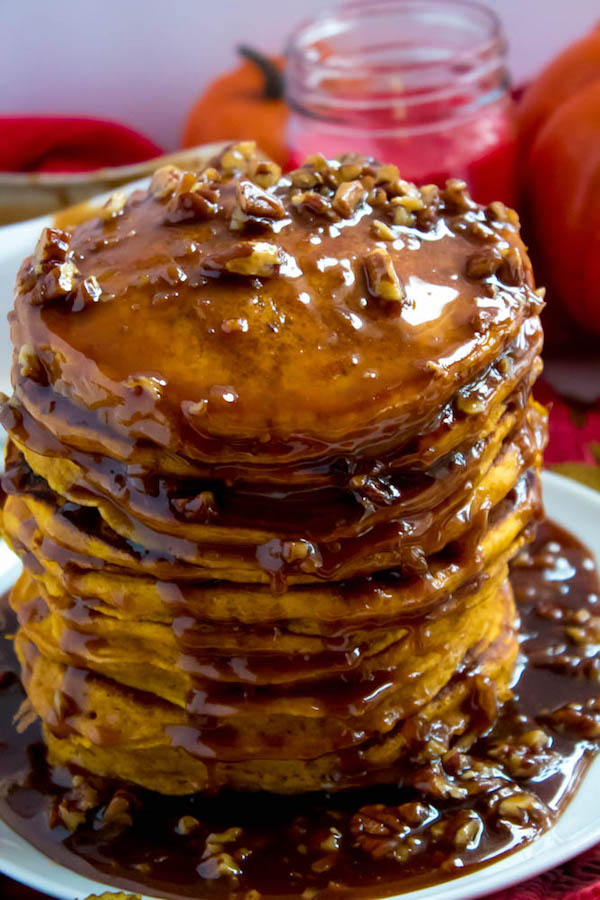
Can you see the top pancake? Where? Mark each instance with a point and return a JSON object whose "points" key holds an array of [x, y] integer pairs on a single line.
{"points": [[223, 320]]}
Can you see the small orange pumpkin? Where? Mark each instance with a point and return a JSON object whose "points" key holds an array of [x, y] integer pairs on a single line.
{"points": [[246, 103]]}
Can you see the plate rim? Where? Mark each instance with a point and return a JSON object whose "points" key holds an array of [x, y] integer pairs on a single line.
{"points": [[551, 849]]}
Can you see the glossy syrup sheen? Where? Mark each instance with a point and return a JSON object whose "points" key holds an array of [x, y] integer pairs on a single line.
{"points": [[287, 364], [285, 847]]}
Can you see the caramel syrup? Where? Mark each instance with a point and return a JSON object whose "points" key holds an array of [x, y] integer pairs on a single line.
{"points": [[317, 844]]}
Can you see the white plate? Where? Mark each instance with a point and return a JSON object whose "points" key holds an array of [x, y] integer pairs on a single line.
{"points": [[573, 506]]}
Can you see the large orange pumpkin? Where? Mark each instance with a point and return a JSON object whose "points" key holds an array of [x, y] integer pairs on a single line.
{"points": [[560, 176], [242, 104]]}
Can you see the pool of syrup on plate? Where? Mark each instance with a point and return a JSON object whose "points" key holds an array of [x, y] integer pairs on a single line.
{"points": [[376, 842]]}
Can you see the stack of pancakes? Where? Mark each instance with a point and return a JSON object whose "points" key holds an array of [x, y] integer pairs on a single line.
{"points": [[271, 449]]}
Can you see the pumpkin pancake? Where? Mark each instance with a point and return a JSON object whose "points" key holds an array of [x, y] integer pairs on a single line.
{"points": [[271, 450]]}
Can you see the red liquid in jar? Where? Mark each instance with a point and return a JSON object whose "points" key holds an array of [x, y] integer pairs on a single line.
{"points": [[421, 84], [481, 149]]}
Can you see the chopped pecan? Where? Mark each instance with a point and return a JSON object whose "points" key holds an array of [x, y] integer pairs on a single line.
{"points": [[475, 775], [401, 215], [313, 203], [498, 212], [519, 808], [480, 231], [114, 206], [115, 895], [382, 278], [264, 173], [51, 249], [484, 264], [118, 811], [333, 841], [432, 781], [377, 197], [216, 862], [219, 865], [237, 158], [306, 179], [456, 196], [382, 231], [200, 508], [579, 720], [187, 825], [254, 201], [234, 326], [348, 197], [31, 365], [379, 820], [385, 832], [470, 403], [483, 702], [411, 201], [318, 162], [215, 840], [258, 258], [195, 200], [387, 174], [350, 171], [56, 283], [165, 182], [430, 194], [292, 551], [525, 756], [77, 802], [145, 384], [460, 831], [512, 270]]}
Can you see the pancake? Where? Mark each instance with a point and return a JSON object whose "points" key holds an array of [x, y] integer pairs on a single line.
{"points": [[270, 552]]}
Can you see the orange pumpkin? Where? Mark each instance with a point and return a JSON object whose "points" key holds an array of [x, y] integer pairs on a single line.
{"points": [[246, 103], [560, 176]]}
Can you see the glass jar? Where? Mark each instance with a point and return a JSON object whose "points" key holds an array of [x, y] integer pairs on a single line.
{"points": [[420, 83]]}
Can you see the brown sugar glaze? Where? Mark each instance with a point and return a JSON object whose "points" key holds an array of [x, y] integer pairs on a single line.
{"points": [[376, 842]]}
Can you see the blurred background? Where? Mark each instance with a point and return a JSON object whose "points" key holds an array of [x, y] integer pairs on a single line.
{"points": [[77, 56]]}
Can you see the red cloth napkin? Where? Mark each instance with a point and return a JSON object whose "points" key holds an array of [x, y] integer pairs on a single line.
{"points": [[69, 144]]}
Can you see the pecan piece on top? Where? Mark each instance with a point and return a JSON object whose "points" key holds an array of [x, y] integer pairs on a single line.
{"points": [[348, 197], [193, 200], [58, 282], [237, 158], [165, 182], [258, 258], [264, 173], [314, 203], [512, 270], [200, 508], [114, 206], [305, 178], [382, 278], [51, 249], [382, 230], [456, 196], [31, 365], [483, 264], [254, 201]]}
